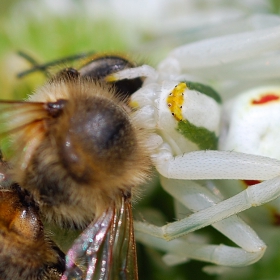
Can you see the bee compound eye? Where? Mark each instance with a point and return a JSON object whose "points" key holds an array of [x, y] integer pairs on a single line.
{"points": [[99, 68], [99, 135], [104, 127]]}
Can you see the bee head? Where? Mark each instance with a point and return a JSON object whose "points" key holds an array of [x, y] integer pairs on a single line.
{"points": [[95, 137], [92, 132], [79, 147]]}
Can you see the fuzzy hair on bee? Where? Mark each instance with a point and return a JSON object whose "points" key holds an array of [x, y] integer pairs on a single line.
{"points": [[77, 150]]}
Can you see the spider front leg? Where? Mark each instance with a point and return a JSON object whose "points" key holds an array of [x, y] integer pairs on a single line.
{"points": [[199, 165], [254, 196], [211, 210], [195, 197], [242, 55], [217, 254]]}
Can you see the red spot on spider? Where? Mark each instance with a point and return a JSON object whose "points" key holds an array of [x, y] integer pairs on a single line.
{"points": [[265, 99], [249, 183]]}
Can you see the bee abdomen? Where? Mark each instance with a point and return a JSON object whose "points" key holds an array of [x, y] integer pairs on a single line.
{"points": [[25, 252]]}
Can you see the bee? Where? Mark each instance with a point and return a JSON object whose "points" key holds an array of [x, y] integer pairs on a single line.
{"points": [[26, 252], [77, 149]]}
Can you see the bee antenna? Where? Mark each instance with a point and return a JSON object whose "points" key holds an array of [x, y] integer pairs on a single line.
{"points": [[43, 67], [27, 57], [35, 65]]}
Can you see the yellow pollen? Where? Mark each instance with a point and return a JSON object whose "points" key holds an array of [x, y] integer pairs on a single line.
{"points": [[175, 101]]}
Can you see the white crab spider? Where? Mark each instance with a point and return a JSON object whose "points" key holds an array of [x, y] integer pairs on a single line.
{"points": [[202, 165], [178, 161]]}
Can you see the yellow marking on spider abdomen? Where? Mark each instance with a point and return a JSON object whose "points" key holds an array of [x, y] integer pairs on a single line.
{"points": [[175, 101]]}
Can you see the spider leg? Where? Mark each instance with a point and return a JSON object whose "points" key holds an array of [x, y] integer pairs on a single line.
{"points": [[253, 196], [215, 165], [196, 198], [217, 254], [131, 73], [200, 200], [226, 49]]}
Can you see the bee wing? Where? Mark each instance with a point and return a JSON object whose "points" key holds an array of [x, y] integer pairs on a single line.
{"points": [[22, 120], [106, 249], [15, 115]]}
